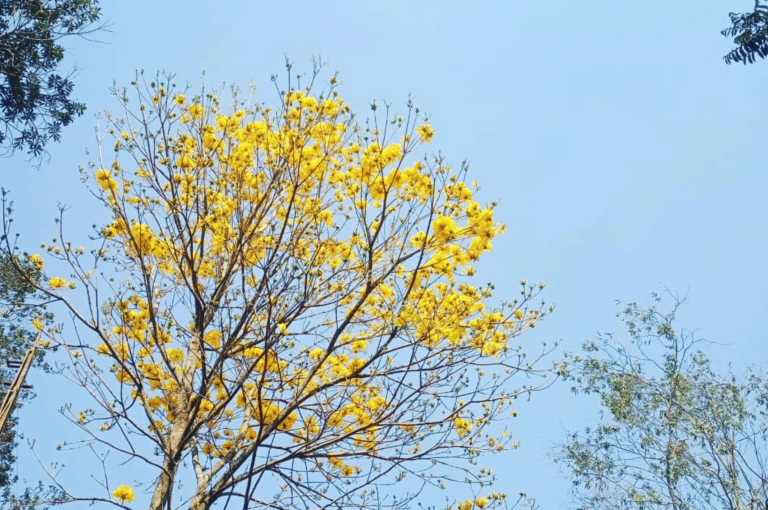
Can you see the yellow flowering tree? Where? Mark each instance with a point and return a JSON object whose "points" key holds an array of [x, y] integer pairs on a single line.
{"points": [[283, 307]]}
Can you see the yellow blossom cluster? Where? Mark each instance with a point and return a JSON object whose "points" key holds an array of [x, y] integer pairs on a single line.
{"points": [[124, 494]]}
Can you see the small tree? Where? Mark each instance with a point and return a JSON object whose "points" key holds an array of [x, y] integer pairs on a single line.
{"points": [[283, 310], [673, 433], [17, 296], [35, 100]]}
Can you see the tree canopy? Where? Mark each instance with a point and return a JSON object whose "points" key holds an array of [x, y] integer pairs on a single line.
{"points": [[35, 97], [673, 432], [282, 308], [750, 33]]}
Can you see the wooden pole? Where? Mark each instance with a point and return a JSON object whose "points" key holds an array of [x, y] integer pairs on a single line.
{"points": [[6, 408]]}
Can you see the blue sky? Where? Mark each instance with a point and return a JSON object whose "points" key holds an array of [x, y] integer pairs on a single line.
{"points": [[625, 154]]}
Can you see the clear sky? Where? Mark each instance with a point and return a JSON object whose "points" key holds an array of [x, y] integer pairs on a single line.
{"points": [[625, 153]]}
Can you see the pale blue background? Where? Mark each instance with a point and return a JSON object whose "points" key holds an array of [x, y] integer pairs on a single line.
{"points": [[625, 153]]}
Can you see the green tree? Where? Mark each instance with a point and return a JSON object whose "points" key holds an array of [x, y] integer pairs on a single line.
{"points": [[17, 312], [750, 34], [673, 433], [35, 99]]}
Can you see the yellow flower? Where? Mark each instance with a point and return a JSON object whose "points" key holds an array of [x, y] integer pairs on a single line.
{"points": [[288, 423], [480, 502], [465, 505], [57, 283], [81, 418], [326, 217], [491, 348], [311, 425], [176, 355], [425, 132], [252, 352], [283, 328], [124, 494], [445, 229], [310, 103], [185, 163], [213, 338], [376, 403], [154, 403], [103, 175], [105, 180], [196, 111], [37, 323], [179, 99], [317, 353], [36, 260], [462, 426]]}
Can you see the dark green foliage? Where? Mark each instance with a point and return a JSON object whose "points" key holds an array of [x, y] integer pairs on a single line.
{"points": [[35, 100], [673, 433], [36, 497], [750, 34]]}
